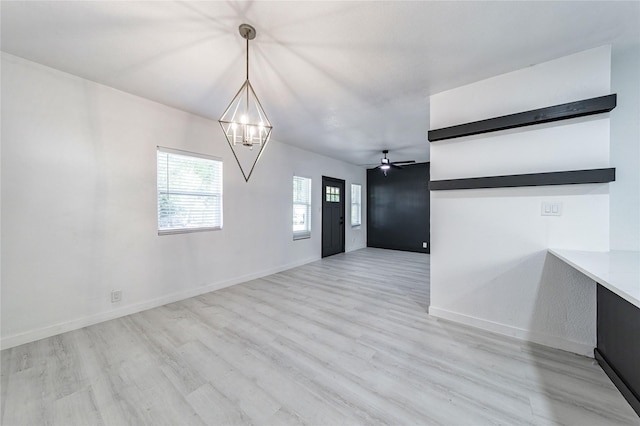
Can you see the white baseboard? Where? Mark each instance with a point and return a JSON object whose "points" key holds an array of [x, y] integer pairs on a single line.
{"points": [[44, 332], [556, 342]]}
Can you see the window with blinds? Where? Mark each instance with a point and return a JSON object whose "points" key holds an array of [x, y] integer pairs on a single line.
{"points": [[301, 207], [189, 192], [356, 204]]}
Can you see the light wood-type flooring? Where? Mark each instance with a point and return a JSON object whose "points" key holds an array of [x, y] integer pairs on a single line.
{"points": [[342, 341]]}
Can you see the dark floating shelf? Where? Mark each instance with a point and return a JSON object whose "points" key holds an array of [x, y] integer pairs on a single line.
{"points": [[527, 118], [531, 179]]}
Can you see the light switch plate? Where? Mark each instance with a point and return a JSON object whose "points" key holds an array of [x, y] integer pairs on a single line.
{"points": [[551, 209]]}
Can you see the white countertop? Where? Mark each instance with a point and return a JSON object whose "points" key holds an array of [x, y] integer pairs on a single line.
{"points": [[619, 271]]}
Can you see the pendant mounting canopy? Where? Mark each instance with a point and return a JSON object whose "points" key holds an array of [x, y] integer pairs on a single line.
{"points": [[247, 31]]}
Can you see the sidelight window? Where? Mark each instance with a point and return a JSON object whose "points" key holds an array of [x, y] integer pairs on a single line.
{"points": [[301, 207], [356, 204]]}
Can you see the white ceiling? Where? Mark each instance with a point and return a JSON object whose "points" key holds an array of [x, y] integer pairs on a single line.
{"points": [[345, 79]]}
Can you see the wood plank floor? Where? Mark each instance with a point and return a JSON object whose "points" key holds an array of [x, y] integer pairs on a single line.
{"points": [[345, 340]]}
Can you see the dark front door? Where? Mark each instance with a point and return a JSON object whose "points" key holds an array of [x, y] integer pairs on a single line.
{"points": [[332, 216]]}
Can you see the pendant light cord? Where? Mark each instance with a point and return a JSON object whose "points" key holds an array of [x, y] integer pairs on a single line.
{"points": [[247, 58], [246, 110]]}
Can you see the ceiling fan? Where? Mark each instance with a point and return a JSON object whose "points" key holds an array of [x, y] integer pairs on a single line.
{"points": [[386, 164]]}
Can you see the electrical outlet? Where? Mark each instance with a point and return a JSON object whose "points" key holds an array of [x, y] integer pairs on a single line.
{"points": [[116, 296], [424, 244]]}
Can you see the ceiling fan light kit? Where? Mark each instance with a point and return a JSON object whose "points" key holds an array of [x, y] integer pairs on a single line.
{"points": [[244, 122], [386, 164]]}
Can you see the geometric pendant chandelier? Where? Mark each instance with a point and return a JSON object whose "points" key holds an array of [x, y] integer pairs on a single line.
{"points": [[244, 122]]}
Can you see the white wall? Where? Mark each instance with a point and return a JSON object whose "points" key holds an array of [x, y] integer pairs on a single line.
{"points": [[625, 149], [489, 265], [79, 205]]}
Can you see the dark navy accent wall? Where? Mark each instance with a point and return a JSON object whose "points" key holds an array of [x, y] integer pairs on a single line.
{"points": [[398, 208]]}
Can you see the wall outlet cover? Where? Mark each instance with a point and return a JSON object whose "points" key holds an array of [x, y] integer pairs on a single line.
{"points": [[116, 296]]}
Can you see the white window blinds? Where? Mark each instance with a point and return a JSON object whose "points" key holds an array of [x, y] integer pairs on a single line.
{"points": [[189, 192], [356, 204], [301, 207]]}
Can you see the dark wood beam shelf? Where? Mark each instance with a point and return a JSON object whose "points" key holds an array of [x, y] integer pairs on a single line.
{"points": [[531, 179], [528, 118]]}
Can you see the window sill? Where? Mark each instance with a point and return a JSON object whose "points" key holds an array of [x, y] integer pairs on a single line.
{"points": [[187, 230], [301, 237]]}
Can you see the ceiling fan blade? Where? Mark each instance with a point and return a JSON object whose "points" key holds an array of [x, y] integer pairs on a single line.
{"points": [[395, 166], [404, 162]]}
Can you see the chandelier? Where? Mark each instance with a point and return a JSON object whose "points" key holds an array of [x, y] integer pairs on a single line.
{"points": [[244, 122]]}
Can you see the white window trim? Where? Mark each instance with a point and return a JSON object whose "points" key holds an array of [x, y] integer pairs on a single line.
{"points": [[358, 225], [303, 235], [196, 155]]}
